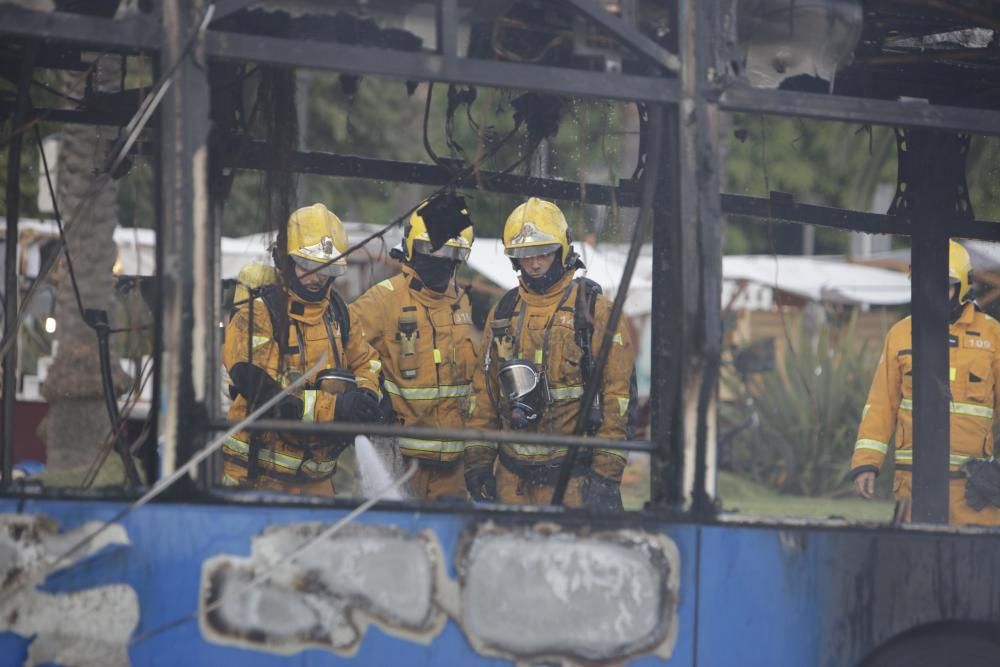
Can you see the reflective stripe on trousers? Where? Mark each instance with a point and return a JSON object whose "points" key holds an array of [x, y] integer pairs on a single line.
{"points": [[437, 446], [906, 456], [292, 464]]}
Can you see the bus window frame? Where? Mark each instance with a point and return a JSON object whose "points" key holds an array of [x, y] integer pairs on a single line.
{"points": [[693, 79]]}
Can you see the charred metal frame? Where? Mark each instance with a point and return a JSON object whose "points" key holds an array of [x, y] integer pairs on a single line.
{"points": [[691, 78]]}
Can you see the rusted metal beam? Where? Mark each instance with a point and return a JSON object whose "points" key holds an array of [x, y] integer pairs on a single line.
{"points": [[259, 155], [741, 97], [186, 276], [134, 33], [421, 66], [11, 292], [696, 214], [224, 8], [930, 165]]}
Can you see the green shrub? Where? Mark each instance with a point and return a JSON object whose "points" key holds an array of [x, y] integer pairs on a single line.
{"points": [[793, 428]]}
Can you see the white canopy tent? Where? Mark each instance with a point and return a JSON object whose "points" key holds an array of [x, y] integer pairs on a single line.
{"points": [[604, 268], [813, 278], [137, 247], [819, 279], [985, 255]]}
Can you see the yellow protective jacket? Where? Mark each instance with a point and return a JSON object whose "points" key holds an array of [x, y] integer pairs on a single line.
{"points": [[312, 330], [974, 359], [424, 339], [561, 360]]}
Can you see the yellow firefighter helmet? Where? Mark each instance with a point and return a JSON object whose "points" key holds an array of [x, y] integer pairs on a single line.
{"points": [[536, 227], [316, 236], [417, 240], [959, 269], [252, 276]]}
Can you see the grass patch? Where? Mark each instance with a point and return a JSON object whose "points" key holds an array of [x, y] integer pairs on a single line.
{"points": [[741, 495]]}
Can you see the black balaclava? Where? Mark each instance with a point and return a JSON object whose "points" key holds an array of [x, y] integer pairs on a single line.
{"points": [[434, 272], [304, 293], [957, 307], [544, 282]]}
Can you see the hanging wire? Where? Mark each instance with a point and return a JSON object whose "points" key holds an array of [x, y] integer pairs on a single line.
{"points": [[131, 399], [84, 77], [99, 183], [774, 255], [154, 97], [59, 224], [426, 137], [46, 87], [457, 176], [26, 577]]}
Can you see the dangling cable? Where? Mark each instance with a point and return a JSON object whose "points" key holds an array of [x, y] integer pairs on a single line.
{"points": [[164, 484]]}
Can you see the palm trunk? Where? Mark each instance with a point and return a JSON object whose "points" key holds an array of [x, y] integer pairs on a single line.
{"points": [[77, 421]]}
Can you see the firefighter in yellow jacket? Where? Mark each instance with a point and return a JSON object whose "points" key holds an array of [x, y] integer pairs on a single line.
{"points": [[276, 337], [421, 325], [974, 357], [536, 357]]}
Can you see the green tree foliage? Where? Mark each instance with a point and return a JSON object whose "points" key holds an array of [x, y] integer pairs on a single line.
{"points": [[830, 164], [381, 119]]}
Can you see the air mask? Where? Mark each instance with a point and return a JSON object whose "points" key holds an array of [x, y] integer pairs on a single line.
{"points": [[525, 392]]}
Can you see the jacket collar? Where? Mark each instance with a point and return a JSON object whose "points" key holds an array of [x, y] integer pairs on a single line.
{"points": [[548, 298], [425, 295], [308, 312], [968, 314]]}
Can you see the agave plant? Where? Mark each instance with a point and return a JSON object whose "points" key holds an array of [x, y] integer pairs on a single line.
{"points": [[796, 424]]}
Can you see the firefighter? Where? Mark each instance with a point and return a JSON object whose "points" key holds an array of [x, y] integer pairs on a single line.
{"points": [[974, 357], [252, 279], [280, 333], [421, 325], [536, 359]]}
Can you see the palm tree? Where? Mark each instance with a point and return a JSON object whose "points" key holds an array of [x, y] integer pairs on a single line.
{"points": [[77, 420]]}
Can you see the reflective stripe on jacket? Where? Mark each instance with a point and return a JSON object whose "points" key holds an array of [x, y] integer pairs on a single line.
{"points": [[561, 360], [309, 336], [424, 339], [974, 360]]}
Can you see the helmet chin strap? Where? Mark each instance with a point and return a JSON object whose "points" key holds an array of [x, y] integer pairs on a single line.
{"points": [[303, 292], [545, 281]]}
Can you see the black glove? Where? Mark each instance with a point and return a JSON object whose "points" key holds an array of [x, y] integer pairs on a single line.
{"points": [[357, 405], [385, 405], [601, 493], [983, 486], [481, 483], [289, 407]]}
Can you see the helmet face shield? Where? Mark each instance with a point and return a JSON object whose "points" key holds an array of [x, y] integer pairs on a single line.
{"points": [[532, 251], [450, 250], [525, 392], [320, 266], [960, 270], [531, 241]]}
